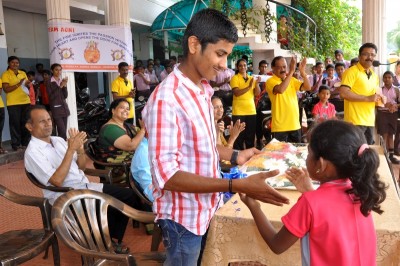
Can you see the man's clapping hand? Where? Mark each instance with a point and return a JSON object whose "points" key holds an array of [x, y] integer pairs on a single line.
{"points": [[76, 139]]}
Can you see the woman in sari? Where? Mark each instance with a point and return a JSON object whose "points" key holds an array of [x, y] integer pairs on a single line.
{"points": [[117, 139]]}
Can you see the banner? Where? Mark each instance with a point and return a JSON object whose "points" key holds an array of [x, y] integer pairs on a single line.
{"points": [[89, 48]]}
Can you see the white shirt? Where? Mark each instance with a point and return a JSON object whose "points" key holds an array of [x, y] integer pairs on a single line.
{"points": [[42, 159]]}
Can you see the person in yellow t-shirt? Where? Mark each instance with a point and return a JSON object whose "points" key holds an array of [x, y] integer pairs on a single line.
{"points": [[122, 87], [358, 89], [282, 90], [244, 88], [17, 102], [2, 115]]}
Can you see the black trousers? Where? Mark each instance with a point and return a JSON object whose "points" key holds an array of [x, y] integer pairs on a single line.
{"points": [[116, 220], [247, 136], [19, 134], [2, 115], [61, 125], [288, 136]]}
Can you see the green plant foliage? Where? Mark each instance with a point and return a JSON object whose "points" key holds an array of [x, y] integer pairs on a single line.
{"points": [[394, 38], [338, 27]]}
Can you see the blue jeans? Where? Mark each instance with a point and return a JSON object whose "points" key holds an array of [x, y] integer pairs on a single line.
{"points": [[182, 246]]}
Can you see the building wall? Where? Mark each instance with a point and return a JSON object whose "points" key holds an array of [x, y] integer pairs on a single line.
{"points": [[27, 37]]}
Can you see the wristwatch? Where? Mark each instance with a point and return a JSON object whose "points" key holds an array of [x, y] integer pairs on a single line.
{"points": [[234, 157]]}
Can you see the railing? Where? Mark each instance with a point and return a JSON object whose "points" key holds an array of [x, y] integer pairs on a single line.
{"points": [[290, 8], [297, 20]]}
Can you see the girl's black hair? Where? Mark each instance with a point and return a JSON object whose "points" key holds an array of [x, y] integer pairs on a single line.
{"points": [[53, 66], [10, 58], [115, 103], [216, 97], [339, 142], [237, 64]]}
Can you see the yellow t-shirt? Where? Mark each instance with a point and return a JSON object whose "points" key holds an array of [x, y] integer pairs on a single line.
{"points": [[243, 104], [17, 96], [360, 113], [1, 98], [121, 89], [285, 107]]}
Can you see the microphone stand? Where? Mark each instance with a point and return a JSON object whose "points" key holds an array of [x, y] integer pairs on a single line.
{"points": [[376, 63]]}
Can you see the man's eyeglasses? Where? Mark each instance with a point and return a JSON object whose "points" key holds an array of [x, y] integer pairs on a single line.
{"points": [[368, 55]]}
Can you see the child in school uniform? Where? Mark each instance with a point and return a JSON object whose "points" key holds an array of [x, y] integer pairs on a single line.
{"points": [[323, 110]]}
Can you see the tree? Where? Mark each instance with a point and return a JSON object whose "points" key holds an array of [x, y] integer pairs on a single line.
{"points": [[394, 38], [338, 27]]}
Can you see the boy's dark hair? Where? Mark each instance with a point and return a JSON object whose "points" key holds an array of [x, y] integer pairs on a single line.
{"points": [[139, 67], [339, 142], [328, 66], [30, 73], [209, 26], [122, 64], [323, 87], [262, 62], [38, 65], [115, 103], [47, 72], [338, 64], [388, 73], [318, 63], [338, 51], [354, 60], [28, 113], [367, 45]]}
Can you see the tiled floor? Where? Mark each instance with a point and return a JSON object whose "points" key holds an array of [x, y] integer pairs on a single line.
{"points": [[15, 216]]}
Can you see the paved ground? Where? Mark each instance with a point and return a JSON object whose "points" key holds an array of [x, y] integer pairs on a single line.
{"points": [[15, 217]]}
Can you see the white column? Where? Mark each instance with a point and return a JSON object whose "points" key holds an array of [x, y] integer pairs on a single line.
{"points": [[166, 53], [58, 10], [374, 29], [117, 14], [151, 50]]}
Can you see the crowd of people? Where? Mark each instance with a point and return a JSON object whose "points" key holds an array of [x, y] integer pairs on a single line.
{"points": [[176, 149], [24, 89]]}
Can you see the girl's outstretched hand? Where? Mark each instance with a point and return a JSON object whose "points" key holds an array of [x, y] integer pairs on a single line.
{"points": [[300, 179], [250, 202]]}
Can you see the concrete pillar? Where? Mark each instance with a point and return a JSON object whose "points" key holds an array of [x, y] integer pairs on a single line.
{"points": [[151, 49], [58, 11], [166, 52], [374, 29], [117, 14]]}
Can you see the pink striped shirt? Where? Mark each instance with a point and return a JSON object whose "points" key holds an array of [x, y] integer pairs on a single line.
{"points": [[179, 119], [140, 83]]}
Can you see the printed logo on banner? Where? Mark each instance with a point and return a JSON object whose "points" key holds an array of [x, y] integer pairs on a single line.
{"points": [[89, 48]]}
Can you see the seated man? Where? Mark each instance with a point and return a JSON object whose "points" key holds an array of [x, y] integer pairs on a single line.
{"points": [[140, 169], [55, 162]]}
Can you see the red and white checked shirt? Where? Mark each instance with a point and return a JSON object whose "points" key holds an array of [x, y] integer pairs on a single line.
{"points": [[179, 119]]}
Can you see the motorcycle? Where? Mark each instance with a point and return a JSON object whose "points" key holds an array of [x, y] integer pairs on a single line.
{"points": [[139, 105], [93, 116]]}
